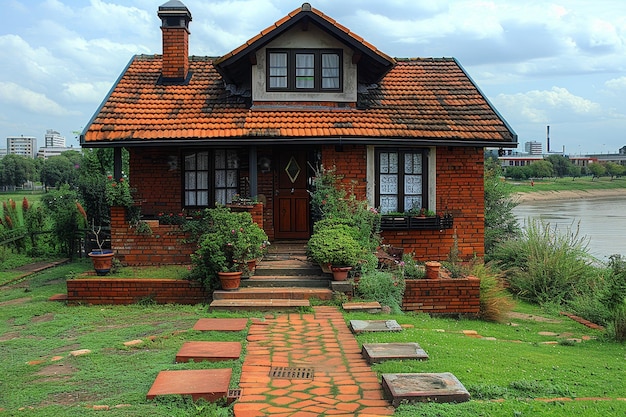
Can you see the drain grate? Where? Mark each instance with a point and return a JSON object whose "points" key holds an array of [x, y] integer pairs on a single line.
{"points": [[284, 372]]}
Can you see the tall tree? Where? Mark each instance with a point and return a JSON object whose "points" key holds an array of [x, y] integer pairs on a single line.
{"points": [[500, 222], [561, 164], [15, 170]]}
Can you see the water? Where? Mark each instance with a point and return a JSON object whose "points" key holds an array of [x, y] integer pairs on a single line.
{"points": [[602, 221]]}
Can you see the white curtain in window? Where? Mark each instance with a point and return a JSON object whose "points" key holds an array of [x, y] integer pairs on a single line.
{"points": [[278, 70], [305, 71], [330, 71]]}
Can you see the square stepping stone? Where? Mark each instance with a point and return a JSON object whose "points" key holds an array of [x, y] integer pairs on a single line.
{"points": [[208, 351], [208, 384], [371, 307], [361, 326], [379, 352], [423, 387], [224, 325]]}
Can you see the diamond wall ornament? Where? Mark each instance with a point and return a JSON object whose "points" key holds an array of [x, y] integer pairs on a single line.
{"points": [[293, 169]]}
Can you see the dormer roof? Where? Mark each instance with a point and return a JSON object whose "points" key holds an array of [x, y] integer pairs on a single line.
{"points": [[372, 63]]}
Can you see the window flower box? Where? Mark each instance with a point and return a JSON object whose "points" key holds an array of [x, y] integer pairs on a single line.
{"points": [[412, 222]]}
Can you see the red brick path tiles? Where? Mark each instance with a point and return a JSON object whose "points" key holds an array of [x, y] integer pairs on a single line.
{"points": [[208, 351], [343, 383], [221, 324], [209, 384]]}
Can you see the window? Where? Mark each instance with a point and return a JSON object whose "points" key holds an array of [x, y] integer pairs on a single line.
{"points": [[210, 177], [401, 177], [304, 70]]}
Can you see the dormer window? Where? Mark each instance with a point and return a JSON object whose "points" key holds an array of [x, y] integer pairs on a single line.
{"points": [[304, 70]]}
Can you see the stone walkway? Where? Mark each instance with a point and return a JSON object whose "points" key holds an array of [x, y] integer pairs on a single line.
{"points": [[343, 384]]}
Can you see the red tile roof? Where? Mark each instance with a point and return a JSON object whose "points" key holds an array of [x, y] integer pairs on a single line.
{"points": [[419, 100]]}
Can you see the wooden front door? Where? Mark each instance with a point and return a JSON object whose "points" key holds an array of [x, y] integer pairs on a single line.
{"points": [[291, 209]]}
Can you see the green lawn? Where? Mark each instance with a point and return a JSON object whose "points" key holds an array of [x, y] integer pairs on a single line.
{"points": [[503, 375], [567, 184]]}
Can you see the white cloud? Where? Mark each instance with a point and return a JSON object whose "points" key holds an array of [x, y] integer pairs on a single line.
{"points": [[78, 92], [31, 101], [616, 84], [543, 106]]}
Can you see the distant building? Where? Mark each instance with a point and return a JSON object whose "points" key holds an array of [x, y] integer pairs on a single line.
{"points": [[46, 153], [53, 139], [22, 145], [533, 148]]}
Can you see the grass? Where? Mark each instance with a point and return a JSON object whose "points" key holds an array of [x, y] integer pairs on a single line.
{"points": [[567, 184], [514, 368], [148, 272]]}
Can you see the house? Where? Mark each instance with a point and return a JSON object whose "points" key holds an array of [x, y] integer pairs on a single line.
{"points": [[303, 93]]}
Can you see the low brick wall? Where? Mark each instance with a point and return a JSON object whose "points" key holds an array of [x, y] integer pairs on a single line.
{"points": [[130, 291], [443, 296]]}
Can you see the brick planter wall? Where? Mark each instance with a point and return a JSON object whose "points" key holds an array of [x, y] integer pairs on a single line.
{"points": [[130, 291], [443, 296]]}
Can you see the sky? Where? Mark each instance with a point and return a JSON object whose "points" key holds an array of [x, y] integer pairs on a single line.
{"points": [[541, 63]]}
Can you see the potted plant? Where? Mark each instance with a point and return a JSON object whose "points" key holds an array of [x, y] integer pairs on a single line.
{"points": [[101, 258], [335, 246], [226, 240]]}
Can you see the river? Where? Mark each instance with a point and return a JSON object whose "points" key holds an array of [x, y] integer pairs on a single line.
{"points": [[601, 220]]}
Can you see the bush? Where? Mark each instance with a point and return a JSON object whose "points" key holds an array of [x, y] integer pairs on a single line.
{"points": [[335, 245], [61, 208], [546, 265], [495, 301], [385, 287]]}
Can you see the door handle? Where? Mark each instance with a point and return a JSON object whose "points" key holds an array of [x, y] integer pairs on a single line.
{"points": [[292, 190]]}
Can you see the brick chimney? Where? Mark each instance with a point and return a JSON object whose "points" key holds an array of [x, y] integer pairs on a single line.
{"points": [[175, 18]]}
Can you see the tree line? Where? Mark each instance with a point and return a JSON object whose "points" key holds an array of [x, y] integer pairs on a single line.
{"points": [[561, 166]]}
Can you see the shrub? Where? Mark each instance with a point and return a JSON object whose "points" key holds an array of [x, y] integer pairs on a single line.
{"points": [[411, 269], [385, 287], [335, 245], [495, 300], [61, 208], [545, 264]]}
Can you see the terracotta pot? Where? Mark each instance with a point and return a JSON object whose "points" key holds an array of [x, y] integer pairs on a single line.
{"points": [[102, 261], [230, 280], [432, 269], [340, 273], [251, 265]]}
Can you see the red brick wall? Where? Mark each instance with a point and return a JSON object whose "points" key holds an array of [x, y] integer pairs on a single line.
{"points": [[351, 164], [164, 246], [155, 178], [442, 296], [129, 291]]}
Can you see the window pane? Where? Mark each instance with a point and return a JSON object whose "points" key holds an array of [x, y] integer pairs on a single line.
{"points": [[232, 161], [412, 203], [203, 161], [220, 179], [190, 198], [388, 184], [305, 71], [190, 161], [388, 204], [330, 71], [203, 198], [220, 197], [384, 162], [413, 184], [413, 163], [202, 180], [231, 179], [220, 159], [190, 180], [278, 70]]}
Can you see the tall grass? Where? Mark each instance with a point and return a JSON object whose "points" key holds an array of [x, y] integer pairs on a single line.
{"points": [[546, 265]]}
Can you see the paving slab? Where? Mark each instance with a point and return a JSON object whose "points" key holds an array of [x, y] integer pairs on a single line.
{"points": [[223, 325], [423, 387], [209, 351], [380, 352], [362, 326], [208, 384]]}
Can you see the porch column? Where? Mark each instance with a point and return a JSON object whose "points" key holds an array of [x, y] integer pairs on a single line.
{"points": [[252, 162], [117, 163]]}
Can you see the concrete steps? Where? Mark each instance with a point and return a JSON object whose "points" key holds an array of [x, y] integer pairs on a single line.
{"points": [[284, 280]]}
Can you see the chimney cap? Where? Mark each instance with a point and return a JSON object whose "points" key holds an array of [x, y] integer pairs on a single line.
{"points": [[174, 8]]}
